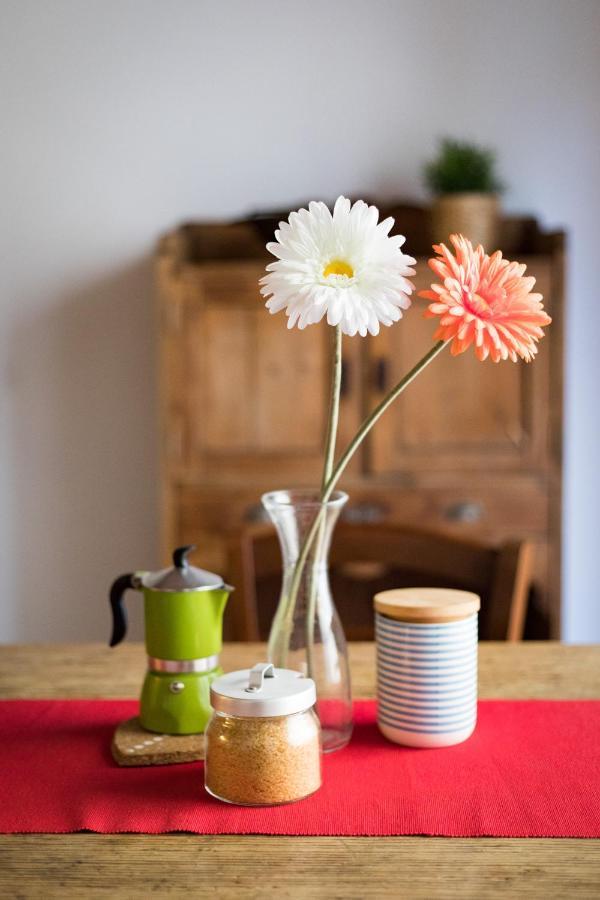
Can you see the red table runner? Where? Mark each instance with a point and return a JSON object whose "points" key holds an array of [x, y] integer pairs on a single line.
{"points": [[532, 769]]}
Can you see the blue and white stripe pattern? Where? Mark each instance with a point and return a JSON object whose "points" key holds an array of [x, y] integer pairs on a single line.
{"points": [[426, 680]]}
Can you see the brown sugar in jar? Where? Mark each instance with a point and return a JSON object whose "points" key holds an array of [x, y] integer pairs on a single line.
{"points": [[263, 742]]}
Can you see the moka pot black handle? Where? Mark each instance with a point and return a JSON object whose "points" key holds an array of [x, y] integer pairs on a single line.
{"points": [[119, 586]]}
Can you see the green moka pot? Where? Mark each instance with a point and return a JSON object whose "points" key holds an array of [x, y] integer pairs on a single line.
{"points": [[183, 622]]}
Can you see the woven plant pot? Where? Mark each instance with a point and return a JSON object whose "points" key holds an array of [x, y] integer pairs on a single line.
{"points": [[476, 216]]}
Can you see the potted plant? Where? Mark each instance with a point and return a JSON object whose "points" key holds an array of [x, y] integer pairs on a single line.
{"points": [[463, 181]]}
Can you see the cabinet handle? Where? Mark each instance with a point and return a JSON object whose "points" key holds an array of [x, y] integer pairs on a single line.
{"points": [[256, 513], [466, 511], [381, 374], [360, 513]]}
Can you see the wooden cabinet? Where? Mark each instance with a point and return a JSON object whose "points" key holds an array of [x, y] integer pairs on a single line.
{"points": [[471, 448], [243, 394], [459, 413]]}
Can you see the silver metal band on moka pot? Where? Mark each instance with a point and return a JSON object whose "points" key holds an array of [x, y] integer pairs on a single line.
{"points": [[183, 666]]}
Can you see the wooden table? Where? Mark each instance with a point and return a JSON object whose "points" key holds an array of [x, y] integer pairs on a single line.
{"points": [[140, 866]]}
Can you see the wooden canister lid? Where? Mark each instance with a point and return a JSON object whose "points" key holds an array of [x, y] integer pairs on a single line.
{"points": [[427, 605]]}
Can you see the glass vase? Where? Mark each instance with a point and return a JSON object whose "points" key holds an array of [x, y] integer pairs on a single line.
{"points": [[306, 633]]}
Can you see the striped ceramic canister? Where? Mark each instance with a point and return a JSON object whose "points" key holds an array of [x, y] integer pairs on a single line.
{"points": [[426, 665]]}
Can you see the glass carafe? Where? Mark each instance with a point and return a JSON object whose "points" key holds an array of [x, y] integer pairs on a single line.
{"points": [[306, 633]]}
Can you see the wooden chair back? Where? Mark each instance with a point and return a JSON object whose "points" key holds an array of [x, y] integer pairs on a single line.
{"points": [[365, 559]]}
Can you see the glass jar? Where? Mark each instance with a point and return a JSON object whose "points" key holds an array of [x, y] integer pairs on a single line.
{"points": [[263, 741]]}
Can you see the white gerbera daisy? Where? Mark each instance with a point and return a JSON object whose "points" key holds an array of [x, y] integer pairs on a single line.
{"points": [[343, 266]]}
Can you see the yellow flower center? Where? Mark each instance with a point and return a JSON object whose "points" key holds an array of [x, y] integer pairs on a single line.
{"points": [[488, 299], [338, 267], [480, 303]]}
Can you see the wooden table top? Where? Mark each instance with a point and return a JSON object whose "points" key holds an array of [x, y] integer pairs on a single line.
{"points": [[140, 866]]}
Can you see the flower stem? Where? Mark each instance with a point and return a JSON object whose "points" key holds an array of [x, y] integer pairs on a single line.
{"points": [[334, 406], [332, 427], [373, 417], [345, 458]]}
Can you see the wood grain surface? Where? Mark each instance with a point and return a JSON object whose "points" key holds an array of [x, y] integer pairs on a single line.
{"points": [[223, 867]]}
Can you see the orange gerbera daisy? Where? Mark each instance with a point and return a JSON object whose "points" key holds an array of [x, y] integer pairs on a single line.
{"points": [[486, 301]]}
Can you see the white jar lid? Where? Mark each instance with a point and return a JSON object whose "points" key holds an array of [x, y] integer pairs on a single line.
{"points": [[262, 691]]}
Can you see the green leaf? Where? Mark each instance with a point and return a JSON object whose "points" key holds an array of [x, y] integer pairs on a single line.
{"points": [[462, 167]]}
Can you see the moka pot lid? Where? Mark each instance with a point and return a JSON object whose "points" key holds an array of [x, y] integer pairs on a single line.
{"points": [[182, 576]]}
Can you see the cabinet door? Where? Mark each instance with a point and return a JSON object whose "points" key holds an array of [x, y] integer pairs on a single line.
{"points": [[250, 394], [459, 412]]}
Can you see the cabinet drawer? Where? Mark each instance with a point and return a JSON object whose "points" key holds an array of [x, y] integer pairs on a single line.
{"points": [[219, 509], [507, 508], [498, 511], [205, 516]]}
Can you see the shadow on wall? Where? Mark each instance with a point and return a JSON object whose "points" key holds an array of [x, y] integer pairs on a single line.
{"points": [[84, 457]]}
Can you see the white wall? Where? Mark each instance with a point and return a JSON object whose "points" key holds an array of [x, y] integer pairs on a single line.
{"points": [[121, 118]]}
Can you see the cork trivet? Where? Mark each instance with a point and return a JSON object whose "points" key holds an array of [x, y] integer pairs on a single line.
{"points": [[132, 745]]}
